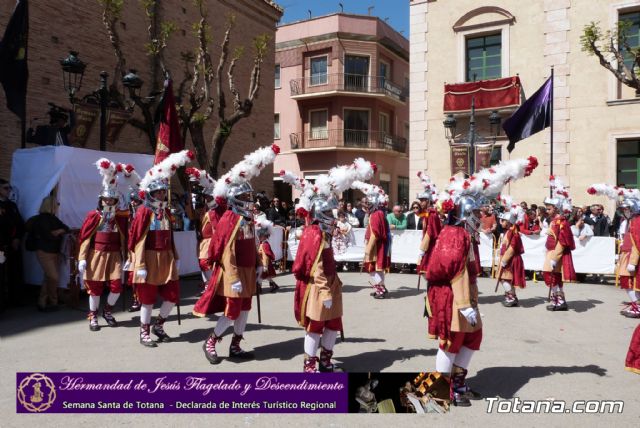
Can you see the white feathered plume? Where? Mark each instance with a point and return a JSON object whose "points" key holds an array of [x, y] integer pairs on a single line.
{"points": [[428, 185], [130, 176], [167, 168], [200, 177], [246, 169], [108, 170], [264, 226]]}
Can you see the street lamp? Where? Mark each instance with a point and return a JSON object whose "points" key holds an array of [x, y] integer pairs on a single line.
{"points": [[472, 138], [72, 73], [133, 83]]}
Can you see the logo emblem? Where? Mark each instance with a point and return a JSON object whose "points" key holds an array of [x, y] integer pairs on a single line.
{"points": [[36, 393]]}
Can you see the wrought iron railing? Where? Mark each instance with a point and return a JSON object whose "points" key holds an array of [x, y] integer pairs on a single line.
{"points": [[349, 83], [330, 138]]}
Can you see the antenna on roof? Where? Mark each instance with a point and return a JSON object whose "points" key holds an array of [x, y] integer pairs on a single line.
{"points": [[341, 7], [370, 9], [309, 10]]}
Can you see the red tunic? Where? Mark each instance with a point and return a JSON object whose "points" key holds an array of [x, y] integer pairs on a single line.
{"points": [[432, 228], [632, 362], [378, 238], [451, 285], [515, 266], [267, 257], [213, 300], [560, 232]]}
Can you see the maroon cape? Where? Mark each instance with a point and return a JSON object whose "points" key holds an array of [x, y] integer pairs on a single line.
{"points": [[92, 221], [140, 224], [560, 231], [515, 265], [379, 225], [433, 228], [632, 362], [447, 261], [210, 302], [310, 244]]}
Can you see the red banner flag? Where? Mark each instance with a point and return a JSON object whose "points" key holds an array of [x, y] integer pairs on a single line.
{"points": [[489, 94], [169, 140]]}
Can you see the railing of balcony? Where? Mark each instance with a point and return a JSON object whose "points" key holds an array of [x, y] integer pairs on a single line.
{"points": [[348, 83], [348, 138]]}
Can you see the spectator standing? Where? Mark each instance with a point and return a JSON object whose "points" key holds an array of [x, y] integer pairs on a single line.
{"points": [[362, 212], [48, 231], [275, 213], [600, 223], [415, 218]]}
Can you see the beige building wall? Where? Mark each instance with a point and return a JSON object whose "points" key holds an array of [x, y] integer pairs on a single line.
{"points": [[591, 111]]}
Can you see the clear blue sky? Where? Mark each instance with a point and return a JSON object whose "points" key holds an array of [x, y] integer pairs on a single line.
{"points": [[396, 10]]}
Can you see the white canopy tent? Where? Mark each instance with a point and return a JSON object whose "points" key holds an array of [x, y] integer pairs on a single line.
{"points": [[36, 172]]}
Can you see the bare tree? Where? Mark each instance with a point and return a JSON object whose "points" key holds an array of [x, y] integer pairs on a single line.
{"points": [[242, 107], [158, 37], [614, 52]]}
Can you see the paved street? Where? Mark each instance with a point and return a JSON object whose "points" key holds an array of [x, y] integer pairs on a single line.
{"points": [[526, 352]]}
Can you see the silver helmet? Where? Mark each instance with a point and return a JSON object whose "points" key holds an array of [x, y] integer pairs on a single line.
{"points": [[631, 203], [376, 199], [464, 209], [509, 216], [160, 184], [322, 212], [109, 193], [239, 206]]}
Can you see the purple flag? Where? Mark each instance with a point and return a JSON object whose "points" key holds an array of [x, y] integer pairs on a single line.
{"points": [[533, 116]]}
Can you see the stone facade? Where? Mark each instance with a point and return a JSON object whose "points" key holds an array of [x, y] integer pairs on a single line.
{"points": [[593, 113]]}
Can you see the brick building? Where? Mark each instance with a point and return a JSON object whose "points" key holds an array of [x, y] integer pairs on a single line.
{"points": [[60, 26], [342, 92]]}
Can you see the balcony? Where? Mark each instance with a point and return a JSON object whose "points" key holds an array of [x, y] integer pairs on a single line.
{"points": [[348, 139], [322, 85]]}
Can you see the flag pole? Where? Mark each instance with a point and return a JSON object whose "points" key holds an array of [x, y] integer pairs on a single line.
{"points": [[551, 133]]}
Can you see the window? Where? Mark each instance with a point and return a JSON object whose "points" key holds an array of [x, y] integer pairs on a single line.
{"points": [[632, 19], [407, 130], [319, 70], [496, 155], [386, 185], [403, 189], [276, 126], [383, 125], [483, 57], [383, 74], [356, 73], [628, 164], [277, 85], [356, 128], [319, 129]]}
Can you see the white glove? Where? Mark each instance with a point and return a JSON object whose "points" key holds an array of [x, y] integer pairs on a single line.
{"points": [[127, 266], [328, 303], [471, 315], [421, 254], [503, 264], [236, 287], [3, 258], [178, 264], [82, 266], [631, 268], [141, 273], [553, 264]]}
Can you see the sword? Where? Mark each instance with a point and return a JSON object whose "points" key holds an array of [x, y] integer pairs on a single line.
{"points": [[258, 301]]}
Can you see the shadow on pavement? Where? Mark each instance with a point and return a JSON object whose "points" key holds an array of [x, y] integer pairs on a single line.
{"points": [[505, 382], [583, 305], [376, 361]]}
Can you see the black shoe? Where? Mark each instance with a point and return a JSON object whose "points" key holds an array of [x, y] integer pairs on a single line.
{"points": [[212, 358], [460, 400], [134, 308], [470, 394], [379, 296], [160, 333], [111, 321], [148, 344], [510, 303], [558, 308]]}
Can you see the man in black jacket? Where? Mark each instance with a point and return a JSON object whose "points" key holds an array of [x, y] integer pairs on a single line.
{"points": [[600, 223], [276, 214], [11, 232]]}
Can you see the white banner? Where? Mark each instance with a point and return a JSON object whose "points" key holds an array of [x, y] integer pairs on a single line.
{"points": [[593, 255]]}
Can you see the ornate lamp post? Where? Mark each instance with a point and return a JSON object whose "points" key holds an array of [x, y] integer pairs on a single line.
{"points": [[72, 74], [472, 137]]}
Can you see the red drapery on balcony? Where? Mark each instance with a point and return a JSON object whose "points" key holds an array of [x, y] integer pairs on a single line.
{"points": [[489, 94]]}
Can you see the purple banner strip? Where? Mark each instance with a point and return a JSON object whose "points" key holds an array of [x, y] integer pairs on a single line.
{"points": [[181, 393]]}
